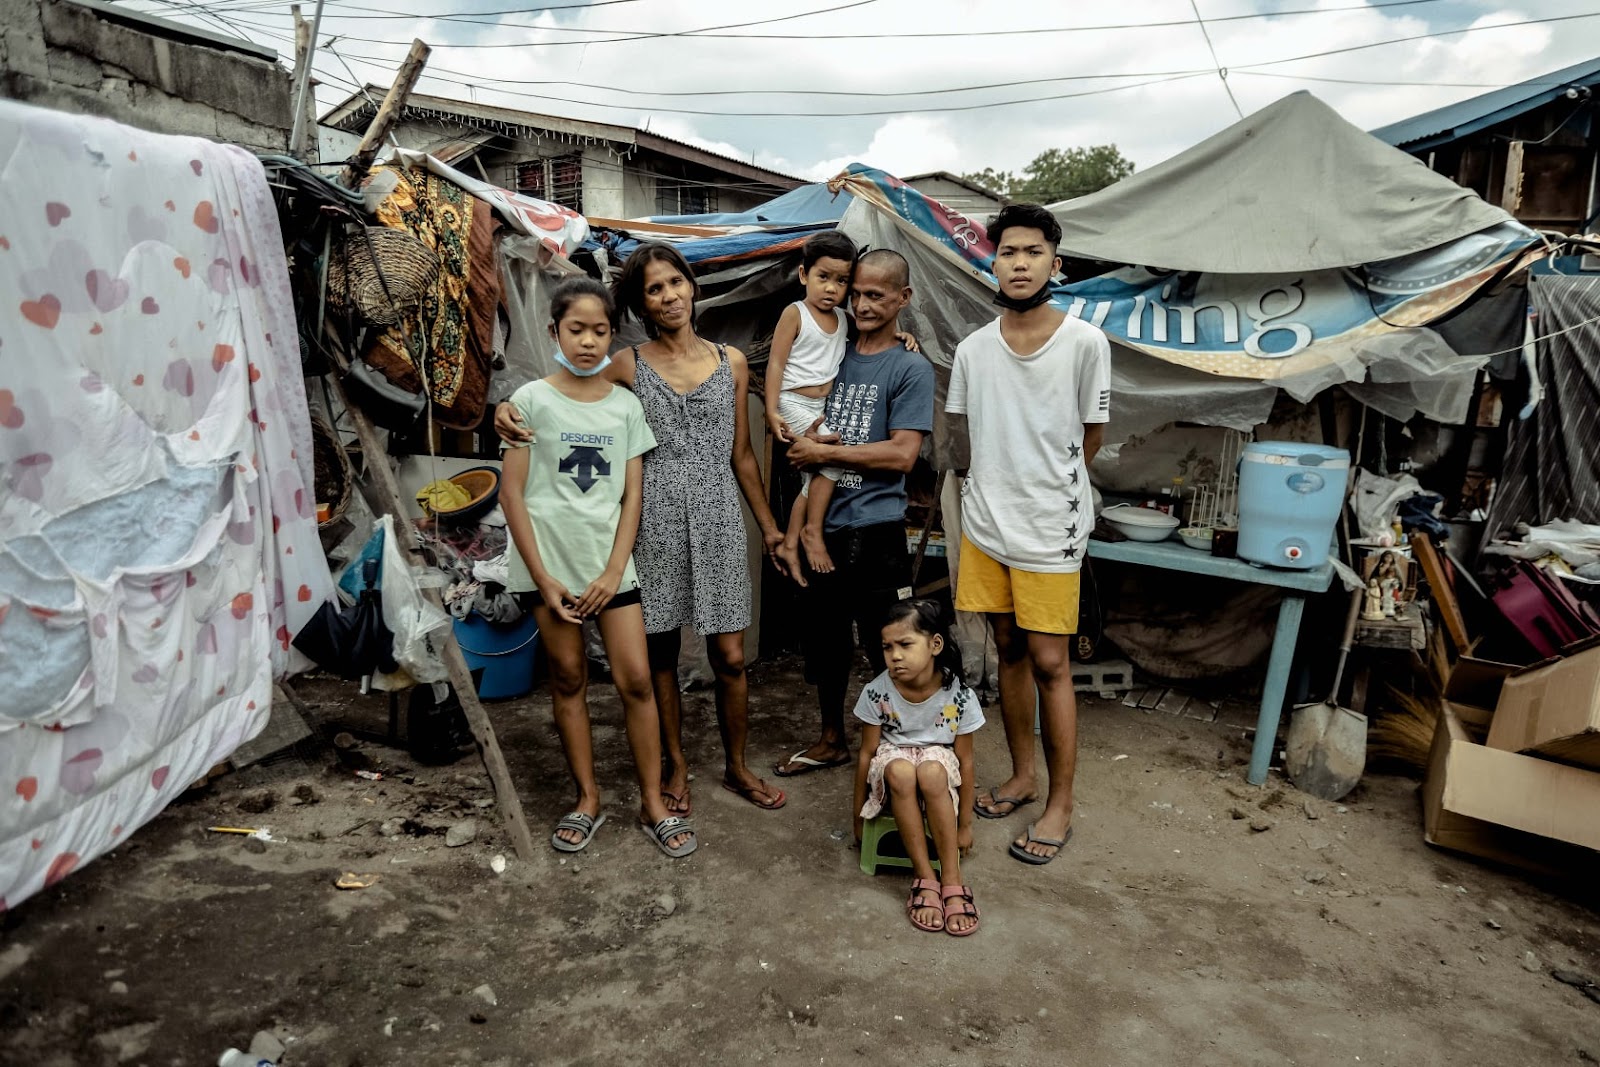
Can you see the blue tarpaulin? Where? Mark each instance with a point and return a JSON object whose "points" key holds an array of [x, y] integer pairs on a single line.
{"points": [[807, 205]]}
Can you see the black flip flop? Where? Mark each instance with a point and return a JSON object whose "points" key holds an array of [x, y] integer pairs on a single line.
{"points": [[1025, 856]]}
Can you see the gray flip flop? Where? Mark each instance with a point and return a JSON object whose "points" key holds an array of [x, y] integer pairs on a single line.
{"points": [[584, 824], [995, 798], [666, 830], [1025, 856]]}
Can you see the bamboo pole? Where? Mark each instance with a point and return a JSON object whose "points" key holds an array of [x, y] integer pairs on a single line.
{"points": [[393, 103], [494, 761]]}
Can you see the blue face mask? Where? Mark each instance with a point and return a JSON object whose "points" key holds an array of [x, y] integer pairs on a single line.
{"points": [[579, 371]]}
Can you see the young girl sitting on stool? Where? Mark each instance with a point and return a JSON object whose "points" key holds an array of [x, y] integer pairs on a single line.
{"points": [[572, 498], [916, 747]]}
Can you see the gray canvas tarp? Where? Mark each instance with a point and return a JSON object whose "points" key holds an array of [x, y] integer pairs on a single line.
{"points": [[1293, 187]]}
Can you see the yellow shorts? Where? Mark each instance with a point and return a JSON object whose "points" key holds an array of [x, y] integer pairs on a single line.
{"points": [[1045, 603]]}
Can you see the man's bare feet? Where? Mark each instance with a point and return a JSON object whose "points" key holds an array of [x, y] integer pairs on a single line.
{"points": [[789, 554], [1005, 798], [816, 550]]}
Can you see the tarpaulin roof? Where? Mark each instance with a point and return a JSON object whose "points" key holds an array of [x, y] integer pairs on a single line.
{"points": [[1444, 124], [798, 207], [1293, 187]]}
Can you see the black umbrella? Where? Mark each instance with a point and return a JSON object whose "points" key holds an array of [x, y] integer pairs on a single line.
{"points": [[351, 642]]}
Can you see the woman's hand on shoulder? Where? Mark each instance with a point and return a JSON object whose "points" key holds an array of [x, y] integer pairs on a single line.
{"points": [[910, 342], [509, 425], [623, 367]]}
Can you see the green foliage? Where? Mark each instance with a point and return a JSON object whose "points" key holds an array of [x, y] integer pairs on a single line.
{"points": [[1058, 174]]}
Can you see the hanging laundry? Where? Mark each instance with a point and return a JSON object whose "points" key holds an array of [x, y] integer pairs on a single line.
{"points": [[451, 332], [157, 537]]}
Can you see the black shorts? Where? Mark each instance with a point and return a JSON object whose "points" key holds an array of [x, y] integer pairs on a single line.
{"points": [[872, 571], [529, 601]]}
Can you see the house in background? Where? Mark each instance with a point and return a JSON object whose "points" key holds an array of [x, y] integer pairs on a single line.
{"points": [[601, 170], [1532, 148], [957, 193]]}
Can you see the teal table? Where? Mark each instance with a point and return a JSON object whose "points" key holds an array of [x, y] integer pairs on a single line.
{"points": [[1173, 555]]}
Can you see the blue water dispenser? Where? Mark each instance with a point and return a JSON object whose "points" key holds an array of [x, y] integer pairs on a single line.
{"points": [[1289, 498]]}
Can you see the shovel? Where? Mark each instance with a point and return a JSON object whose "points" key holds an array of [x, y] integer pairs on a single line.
{"points": [[1326, 749]]}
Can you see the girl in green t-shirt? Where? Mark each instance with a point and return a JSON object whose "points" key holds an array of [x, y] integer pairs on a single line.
{"points": [[571, 498]]}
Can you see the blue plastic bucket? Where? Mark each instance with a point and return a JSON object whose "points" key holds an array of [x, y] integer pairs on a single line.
{"points": [[1289, 499], [503, 652]]}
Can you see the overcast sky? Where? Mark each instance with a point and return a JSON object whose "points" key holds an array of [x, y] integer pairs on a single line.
{"points": [[826, 59]]}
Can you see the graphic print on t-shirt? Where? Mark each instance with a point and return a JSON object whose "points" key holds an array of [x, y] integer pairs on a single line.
{"points": [[850, 412], [586, 463]]}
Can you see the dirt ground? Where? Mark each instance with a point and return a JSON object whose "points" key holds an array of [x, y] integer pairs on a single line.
{"points": [[1193, 920]]}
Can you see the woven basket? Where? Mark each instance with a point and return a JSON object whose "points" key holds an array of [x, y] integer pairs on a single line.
{"points": [[409, 267]]}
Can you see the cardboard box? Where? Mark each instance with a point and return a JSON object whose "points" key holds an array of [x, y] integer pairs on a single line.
{"points": [[1552, 711], [1474, 687], [1519, 810]]}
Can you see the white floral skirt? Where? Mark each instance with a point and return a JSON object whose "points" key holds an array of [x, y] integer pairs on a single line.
{"points": [[916, 755]]}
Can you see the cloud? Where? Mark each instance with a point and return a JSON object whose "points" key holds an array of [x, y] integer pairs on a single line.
{"points": [[626, 83], [905, 144]]}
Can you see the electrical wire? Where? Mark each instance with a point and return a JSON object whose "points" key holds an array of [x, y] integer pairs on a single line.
{"points": [[471, 18], [944, 109], [1222, 72]]}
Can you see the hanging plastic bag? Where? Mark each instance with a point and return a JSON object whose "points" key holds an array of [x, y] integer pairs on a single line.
{"points": [[417, 623]]}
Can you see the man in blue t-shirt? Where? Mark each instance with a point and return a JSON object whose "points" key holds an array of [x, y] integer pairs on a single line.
{"points": [[881, 408]]}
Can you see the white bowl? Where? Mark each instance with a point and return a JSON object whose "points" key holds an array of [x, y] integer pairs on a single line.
{"points": [[1197, 537], [1140, 523]]}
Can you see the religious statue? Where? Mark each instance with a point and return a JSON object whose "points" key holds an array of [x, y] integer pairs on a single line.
{"points": [[1372, 609], [1387, 577]]}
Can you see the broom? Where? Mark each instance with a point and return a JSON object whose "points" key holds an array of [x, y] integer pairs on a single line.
{"points": [[1404, 735]]}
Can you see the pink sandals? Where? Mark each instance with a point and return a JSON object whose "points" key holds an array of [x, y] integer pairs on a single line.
{"points": [[920, 886]]}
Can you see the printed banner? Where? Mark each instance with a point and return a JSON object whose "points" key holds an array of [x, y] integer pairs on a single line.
{"points": [[1236, 325]]}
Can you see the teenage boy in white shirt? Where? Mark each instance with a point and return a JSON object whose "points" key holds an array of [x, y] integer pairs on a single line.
{"points": [[1035, 387]]}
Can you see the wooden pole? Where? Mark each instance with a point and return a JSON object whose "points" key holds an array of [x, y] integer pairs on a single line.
{"points": [[393, 103], [303, 148], [494, 761], [302, 77]]}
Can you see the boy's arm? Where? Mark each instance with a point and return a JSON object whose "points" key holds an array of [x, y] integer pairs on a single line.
{"points": [[777, 360], [966, 790], [870, 734], [513, 484], [745, 468], [1094, 436], [603, 588]]}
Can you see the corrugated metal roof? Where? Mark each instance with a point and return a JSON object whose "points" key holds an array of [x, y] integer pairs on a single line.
{"points": [[1436, 127]]}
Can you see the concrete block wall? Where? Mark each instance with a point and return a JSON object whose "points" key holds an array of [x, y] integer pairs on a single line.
{"points": [[63, 55]]}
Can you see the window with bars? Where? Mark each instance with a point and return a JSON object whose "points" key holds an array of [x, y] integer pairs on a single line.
{"points": [[678, 196], [558, 179]]}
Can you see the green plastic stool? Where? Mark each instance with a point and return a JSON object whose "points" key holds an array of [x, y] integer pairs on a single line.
{"points": [[875, 832]]}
